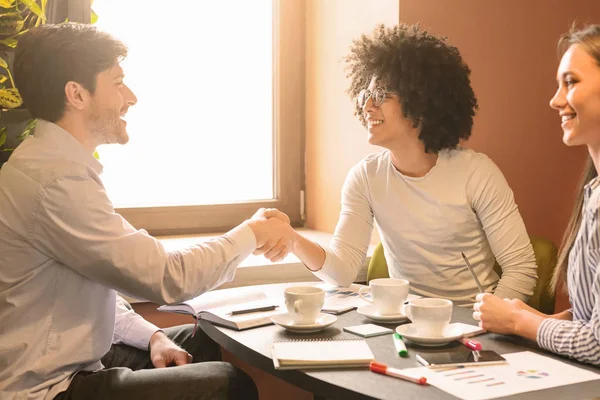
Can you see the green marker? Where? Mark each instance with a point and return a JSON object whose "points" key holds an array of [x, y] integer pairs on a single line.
{"points": [[399, 345]]}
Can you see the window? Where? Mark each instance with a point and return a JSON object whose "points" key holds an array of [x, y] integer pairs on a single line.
{"points": [[219, 125]]}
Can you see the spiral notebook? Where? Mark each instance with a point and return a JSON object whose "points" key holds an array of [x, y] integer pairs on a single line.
{"points": [[321, 353]]}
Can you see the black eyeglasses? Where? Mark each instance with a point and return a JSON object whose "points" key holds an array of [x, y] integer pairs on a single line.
{"points": [[378, 96]]}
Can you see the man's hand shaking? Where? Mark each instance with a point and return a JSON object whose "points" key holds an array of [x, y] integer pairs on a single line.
{"points": [[275, 237]]}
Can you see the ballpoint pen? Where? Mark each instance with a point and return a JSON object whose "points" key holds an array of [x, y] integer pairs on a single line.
{"points": [[472, 273], [471, 343], [399, 345], [251, 310], [383, 369]]}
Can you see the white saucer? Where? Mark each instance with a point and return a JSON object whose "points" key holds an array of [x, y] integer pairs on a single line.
{"points": [[287, 321], [409, 332], [371, 313]]}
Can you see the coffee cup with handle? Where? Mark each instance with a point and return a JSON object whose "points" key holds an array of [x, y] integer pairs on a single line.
{"points": [[304, 303], [430, 316], [387, 294]]}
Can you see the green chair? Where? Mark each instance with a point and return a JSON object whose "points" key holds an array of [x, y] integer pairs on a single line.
{"points": [[545, 256]]}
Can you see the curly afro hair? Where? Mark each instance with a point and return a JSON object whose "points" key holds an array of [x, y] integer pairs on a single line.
{"points": [[428, 75]]}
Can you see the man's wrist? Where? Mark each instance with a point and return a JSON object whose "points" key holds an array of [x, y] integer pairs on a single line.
{"points": [[158, 335]]}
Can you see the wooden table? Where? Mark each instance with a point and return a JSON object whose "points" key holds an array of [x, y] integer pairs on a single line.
{"points": [[254, 347]]}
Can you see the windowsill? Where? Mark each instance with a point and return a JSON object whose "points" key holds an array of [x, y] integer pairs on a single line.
{"points": [[256, 270]]}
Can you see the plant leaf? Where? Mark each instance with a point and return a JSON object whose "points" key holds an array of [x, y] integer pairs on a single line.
{"points": [[7, 3], [28, 129], [94, 17], [11, 23], [2, 136], [3, 63], [10, 98], [96, 155], [34, 7], [9, 42], [2, 79]]}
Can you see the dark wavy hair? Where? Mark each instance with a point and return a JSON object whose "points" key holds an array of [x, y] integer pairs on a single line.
{"points": [[428, 75], [49, 56]]}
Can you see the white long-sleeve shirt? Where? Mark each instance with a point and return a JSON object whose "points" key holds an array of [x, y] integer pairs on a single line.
{"points": [[580, 338], [64, 252], [463, 204]]}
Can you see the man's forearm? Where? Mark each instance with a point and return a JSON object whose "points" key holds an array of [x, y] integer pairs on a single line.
{"points": [[310, 253]]}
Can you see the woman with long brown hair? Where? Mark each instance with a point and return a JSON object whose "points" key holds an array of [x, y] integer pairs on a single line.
{"points": [[575, 332]]}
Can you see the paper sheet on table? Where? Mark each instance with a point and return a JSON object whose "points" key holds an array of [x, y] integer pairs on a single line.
{"points": [[525, 372]]}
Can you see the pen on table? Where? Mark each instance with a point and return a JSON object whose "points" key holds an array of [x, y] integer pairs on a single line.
{"points": [[472, 273], [251, 310], [383, 369], [399, 345], [471, 343]]}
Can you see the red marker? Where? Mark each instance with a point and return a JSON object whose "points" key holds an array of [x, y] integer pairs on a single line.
{"points": [[395, 372], [471, 343]]}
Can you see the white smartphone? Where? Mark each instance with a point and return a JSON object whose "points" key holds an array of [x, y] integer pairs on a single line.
{"points": [[460, 358]]}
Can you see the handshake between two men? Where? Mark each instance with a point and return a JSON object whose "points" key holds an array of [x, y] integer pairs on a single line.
{"points": [[275, 237]]}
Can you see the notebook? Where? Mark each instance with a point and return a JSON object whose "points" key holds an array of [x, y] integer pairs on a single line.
{"points": [[321, 353], [224, 311]]}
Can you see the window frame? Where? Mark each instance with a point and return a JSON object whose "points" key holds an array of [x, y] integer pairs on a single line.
{"points": [[288, 138]]}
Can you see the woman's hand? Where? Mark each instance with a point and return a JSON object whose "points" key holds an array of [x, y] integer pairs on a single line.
{"points": [[495, 314], [509, 317]]}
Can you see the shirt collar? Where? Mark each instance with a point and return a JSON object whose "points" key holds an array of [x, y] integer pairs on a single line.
{"points": [[71, 148], [589, 189], [593, 184]]}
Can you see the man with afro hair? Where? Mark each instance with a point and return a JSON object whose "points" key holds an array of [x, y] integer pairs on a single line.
{"points": [[431, 198]]}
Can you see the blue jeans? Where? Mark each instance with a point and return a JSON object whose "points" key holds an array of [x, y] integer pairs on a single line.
{"points": [[129, 374]]}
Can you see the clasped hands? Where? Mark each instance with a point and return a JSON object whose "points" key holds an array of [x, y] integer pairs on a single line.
{"points": [[275, 237]]}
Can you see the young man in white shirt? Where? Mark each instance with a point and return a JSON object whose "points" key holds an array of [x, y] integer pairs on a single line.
{"points": [[65, 252], [431, 198]]}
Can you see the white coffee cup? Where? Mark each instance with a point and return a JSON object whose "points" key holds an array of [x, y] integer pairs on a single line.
{"points": [[388, 295], [430, 316], [304, 303]]}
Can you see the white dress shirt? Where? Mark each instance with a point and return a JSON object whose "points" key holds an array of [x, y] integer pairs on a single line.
{"points": [[463, 204], [64, 252]]}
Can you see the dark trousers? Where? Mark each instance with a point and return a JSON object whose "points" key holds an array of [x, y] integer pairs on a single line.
{"points": [[129, 374]]}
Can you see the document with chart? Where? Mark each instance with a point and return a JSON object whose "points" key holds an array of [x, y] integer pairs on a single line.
{"points": [[525, 372]]}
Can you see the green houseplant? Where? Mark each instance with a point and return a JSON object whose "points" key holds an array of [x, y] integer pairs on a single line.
{"points": [[16, 18]]}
